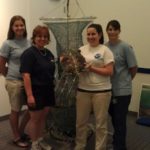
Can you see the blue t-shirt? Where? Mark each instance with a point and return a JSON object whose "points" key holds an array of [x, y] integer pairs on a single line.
{"points": [[124, 59], [12, 50]]}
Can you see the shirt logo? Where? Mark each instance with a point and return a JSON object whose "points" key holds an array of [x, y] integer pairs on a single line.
{"points": [[98, 56]]}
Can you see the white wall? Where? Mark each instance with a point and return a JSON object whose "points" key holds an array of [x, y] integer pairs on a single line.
{"points": [[7, 10], [133, 15], [137, 85]]}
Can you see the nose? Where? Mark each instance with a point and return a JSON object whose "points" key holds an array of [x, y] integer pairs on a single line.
{"points": [[42, 37], [20, 27], [90, 36]]}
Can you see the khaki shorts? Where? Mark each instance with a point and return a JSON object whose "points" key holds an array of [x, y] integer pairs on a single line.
{"points": [[16, 93]]}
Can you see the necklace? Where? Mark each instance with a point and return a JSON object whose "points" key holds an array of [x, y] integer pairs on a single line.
{"points": [[43, 52]]}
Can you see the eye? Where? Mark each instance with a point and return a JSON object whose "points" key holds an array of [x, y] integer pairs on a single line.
{"points": [[93, 34], [110, 29]]}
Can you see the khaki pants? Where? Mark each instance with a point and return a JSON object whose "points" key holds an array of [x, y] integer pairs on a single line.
{"points": [[99, 104]]}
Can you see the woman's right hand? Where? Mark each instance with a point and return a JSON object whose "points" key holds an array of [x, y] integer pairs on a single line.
{"points": [[31, 101]]}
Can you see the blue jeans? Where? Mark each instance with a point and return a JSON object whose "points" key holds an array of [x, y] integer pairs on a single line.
{"points": [[118, 111]]}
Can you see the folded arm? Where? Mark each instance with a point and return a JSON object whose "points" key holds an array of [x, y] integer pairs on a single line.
{"points": [[106, 70]]}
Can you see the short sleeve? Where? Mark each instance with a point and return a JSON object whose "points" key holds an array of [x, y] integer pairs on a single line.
{"points": [[5, 50], [130, 57], [108, 56]]}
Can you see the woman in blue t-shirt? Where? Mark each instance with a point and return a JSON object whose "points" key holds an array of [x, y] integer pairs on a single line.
{"points": [[124, 71], [10, 53]]}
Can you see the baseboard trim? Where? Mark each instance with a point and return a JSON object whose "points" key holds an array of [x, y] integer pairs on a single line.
{"points": [[5, 117], [133, 113]]}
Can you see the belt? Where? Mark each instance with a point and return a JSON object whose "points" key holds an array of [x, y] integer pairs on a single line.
{"points": [[99, 91]]}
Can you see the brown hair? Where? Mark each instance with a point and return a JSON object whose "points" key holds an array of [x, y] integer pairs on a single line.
{"points": [[115, 24], [99, 30], [39, 30], [11, 34]]}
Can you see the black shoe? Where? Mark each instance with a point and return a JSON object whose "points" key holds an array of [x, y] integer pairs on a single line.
{"points": [[25, 137]]}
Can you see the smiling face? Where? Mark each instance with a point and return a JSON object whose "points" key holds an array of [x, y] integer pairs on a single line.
{"points": [[41, 36], [18, 28], [113, 34], [41, 39], [113, 30], [93, 37]]}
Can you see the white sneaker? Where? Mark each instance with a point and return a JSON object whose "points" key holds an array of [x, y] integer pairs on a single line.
{"points": [[44, 145], [36, 146]]}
